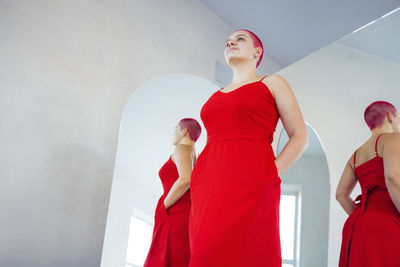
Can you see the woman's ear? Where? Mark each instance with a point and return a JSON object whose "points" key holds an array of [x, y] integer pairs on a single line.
{"points": [[389, 117], [258, 51]]}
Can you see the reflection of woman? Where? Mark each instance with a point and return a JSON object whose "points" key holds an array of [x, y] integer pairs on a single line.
{"points": [[371, 234], [170, 244], [235, 186]]}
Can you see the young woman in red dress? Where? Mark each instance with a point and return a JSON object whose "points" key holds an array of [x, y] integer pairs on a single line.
{"points": [[170, 244], [235, 186], [371, 234]]}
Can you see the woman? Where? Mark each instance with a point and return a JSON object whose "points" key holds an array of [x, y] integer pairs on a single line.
{"points": [[234, 220], [170, 244], [371, 234]]}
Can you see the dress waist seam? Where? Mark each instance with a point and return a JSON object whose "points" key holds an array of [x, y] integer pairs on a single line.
{"points": [[262, 140]]}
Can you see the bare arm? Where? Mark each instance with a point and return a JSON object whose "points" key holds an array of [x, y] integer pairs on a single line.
{"points": [[292, 121], [346, 185], [391, 160], [184, 163]]}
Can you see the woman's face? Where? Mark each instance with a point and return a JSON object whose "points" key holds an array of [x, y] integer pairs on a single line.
{"points": [[178, 135], [239, 46]]}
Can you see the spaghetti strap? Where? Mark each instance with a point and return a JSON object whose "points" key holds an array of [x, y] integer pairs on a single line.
{"points": [[355, 152], [376, 144], [263, 78]]}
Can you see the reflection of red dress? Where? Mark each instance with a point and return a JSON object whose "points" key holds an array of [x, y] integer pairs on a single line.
{"points": [[234, 220], [371, 234], [170, 244]]}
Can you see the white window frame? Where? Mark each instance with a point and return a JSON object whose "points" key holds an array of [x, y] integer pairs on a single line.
{"points": [[140, 215], [294, 190]]}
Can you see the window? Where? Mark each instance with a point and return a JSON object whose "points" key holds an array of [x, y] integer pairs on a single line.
{"points": [[140, 234], [289, 224]]}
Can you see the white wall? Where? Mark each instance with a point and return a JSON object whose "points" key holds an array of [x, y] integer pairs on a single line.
{"points": [[67, 69], [333, 87]]}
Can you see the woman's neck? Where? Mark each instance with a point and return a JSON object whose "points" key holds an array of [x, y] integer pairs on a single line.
{"points": [[187, 142], [243, 74], [380, 130]]}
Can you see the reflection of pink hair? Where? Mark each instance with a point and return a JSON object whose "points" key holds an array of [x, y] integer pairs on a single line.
{"points": [[193, 127], [376, 112], [257, 43]]}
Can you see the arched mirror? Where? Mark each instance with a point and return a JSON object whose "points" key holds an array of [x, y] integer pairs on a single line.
{"points": [[145, 143], [305, 206]]}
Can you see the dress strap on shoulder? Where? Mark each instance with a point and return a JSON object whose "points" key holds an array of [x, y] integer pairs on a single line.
{"points": [[354, 162], [376, 144], [263, 78]]}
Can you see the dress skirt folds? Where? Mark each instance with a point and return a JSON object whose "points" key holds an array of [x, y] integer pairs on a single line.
{"points": [[170, 244], [371, 234]]}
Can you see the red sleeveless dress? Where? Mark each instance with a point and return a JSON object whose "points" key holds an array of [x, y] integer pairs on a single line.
{"points": [[170, 244], [371, 234], [234, 220]]}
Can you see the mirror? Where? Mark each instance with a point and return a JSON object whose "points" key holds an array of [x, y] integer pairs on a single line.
{"points": [[307, 182], [145, 143], [333, 86]]}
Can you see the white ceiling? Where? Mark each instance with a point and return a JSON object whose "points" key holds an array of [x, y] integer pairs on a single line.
{"points": [[291, 30], [381, 38]]}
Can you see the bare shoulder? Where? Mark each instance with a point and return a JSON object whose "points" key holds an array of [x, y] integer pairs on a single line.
{"points": [[390, 147], [391, 139], [276, 83], [182, 151], [275, 79], [351, 160]]}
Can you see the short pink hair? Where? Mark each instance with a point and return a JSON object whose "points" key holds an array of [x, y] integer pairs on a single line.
{"points": [[376, 112], [257, 43], [193, 127]]}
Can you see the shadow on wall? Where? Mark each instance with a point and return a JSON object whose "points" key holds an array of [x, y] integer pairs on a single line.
{"points": [[145, 143]]}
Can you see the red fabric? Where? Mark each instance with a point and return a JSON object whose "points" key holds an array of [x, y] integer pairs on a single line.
{"points": [[234, 220], [170, 244], [371, 234]]}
